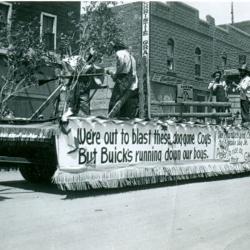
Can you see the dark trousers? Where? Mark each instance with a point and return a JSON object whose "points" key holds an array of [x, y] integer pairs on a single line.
{"points": [[123, 102], [245, 106]]}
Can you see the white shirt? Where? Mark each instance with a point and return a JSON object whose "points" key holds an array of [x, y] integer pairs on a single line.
{"points": [[124, 62], [244, 88], [213, 85]]}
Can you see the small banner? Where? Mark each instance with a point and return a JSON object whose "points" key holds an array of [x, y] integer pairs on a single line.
{"points": [[184, 92], [101, 144], [233, 145]]}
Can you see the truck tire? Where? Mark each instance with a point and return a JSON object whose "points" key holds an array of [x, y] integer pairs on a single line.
{"points": [[38, 173]]}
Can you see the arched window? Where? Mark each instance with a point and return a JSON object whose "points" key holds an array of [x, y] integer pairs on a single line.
{"points": [[242, 59], [170, 54], [197, 61], [224, 59]]}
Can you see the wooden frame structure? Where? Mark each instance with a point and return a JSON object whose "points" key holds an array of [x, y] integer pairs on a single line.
{"points": [[183, 104]]}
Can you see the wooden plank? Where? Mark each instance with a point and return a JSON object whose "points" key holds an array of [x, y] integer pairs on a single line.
{"points": [[166, 103], [101, 94], [198, 115], [46, 103], [204, 104], [99, 104], [208, 104], [144, 100]]}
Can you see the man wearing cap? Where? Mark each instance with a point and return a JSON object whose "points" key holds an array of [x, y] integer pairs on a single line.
{"points": [[244, 87], [124, 99]]}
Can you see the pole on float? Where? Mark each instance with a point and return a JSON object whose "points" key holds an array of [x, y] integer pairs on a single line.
{"points": [[145, 53]]}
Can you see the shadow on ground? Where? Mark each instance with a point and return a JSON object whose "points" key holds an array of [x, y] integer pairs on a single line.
{"points": [[2, 198], [32, 187], [69, 195], [98, 192]]}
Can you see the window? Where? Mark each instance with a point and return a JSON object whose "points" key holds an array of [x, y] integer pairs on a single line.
{"points": [[170, 55], [197, 60], [5, 14], [242, 59], [224, 59], [48, 30]]}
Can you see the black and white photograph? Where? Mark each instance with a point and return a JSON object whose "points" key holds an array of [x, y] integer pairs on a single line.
{"points": [[125, 125]]}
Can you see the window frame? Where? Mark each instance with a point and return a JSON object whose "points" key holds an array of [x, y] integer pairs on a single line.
{"points": [[173, 53], [9, 12], [242, 59], [224, 59], [199, 56], [54, 26], [3, 50]]}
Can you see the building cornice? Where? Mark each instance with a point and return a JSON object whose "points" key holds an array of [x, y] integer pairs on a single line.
{"points": [[238, 30]]}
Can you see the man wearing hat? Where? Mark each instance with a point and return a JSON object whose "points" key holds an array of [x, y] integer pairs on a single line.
{"points": [[78, 94], [218, 87], [244, 87], [124, 99]]}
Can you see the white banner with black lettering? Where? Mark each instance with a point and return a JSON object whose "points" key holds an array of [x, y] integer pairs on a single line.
{"points": [[96, 143]]}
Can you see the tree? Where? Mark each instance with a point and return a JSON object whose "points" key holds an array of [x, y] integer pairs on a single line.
{"points": [[96, 30], [25, 52]]}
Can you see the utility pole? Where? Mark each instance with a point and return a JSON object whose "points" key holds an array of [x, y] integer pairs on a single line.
{"points": [[232, 13]]}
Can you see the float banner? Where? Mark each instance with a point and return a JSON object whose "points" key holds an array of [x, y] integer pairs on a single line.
{"points": [[95, 144], [233, 145], [98, 153]]}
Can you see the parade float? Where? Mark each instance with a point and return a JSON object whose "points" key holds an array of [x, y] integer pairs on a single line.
{"points": [[89, 152], [82, 153]]}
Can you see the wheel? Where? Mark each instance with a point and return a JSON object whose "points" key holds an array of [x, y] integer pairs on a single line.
{"points": [[38, 173]]}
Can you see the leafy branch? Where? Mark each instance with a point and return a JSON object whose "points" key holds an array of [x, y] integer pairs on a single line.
{"points": [[96, 31]]}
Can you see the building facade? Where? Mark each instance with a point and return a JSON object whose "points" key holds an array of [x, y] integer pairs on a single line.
{"points": [[173, 47], [183, 49]]}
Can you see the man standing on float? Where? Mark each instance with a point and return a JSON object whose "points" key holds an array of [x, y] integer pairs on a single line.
{"points": [[124, 100], [244, 87]]}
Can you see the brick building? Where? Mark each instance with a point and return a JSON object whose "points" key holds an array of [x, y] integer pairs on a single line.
{"points": [[183, 49], [53, 17]]}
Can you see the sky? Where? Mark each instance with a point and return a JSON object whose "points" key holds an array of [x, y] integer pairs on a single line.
{"points": [[221, 10]]}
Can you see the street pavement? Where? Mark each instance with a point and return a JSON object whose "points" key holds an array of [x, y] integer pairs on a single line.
{"points": [[202, 215]]}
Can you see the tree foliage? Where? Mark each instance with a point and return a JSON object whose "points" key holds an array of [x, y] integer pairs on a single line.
{"points": [[97, 29], [24, 53]]}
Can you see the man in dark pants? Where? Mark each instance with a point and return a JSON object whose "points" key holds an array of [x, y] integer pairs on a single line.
{"points": [[124, 99], [244, 87], [218, 87], [78, 95]]}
